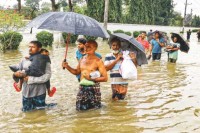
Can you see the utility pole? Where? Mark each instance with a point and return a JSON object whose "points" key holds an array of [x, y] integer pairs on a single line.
{"points": [[191, 17], [186, 4], [106, 14]]}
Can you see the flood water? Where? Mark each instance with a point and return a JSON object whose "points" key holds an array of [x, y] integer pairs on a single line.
{"points": [[165, 98]]}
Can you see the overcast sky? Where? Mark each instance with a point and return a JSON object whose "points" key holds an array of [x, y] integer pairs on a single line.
{"points": [[180, 5]]}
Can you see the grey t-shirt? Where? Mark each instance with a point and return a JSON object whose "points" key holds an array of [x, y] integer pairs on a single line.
{"points": [[35, 86]]}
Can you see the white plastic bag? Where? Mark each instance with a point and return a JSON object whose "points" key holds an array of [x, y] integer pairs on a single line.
{"points": [[95, 74], [127, 68]]}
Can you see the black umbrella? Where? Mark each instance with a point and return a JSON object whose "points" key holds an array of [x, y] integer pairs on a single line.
{"points": [[184, 46], [129, 43], [69, 22]]}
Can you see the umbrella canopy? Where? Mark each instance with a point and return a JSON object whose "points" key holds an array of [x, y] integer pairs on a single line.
{"points": [[69, 22], [129, 43], [184, 47]]}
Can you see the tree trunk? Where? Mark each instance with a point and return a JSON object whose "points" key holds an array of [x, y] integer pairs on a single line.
{"points": [[53, 4], [70, 6], [106, 13], [32, 13], [19, 6]]}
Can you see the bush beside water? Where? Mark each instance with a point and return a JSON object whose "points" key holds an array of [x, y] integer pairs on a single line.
{"points": [[45, 37], [127, 33], [73, 37], [118, 31], [10, 40], [195, 30], [136, 34]]}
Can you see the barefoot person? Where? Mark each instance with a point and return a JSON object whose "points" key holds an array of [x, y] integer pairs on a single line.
{"points": [[34, 88], [89, 95], [112, 62]]}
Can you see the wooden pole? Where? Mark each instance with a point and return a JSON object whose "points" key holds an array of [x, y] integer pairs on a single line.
{"points": [[67, 45]]}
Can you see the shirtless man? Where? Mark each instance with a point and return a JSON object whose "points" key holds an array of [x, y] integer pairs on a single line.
{"points": [[89, 95]]}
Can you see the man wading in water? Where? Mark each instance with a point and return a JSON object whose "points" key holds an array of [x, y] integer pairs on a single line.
{"points": [[112, 63], [89, 95]]}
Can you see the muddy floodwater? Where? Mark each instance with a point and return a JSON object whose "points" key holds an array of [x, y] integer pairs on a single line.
{"points": [[165, 98]]}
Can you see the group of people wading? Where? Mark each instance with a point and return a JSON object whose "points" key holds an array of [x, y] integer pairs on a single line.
{"points": [[33, 73]]}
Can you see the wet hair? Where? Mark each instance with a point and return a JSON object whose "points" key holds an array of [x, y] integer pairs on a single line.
{"points": [[44, 50], [158, 32], [93, 42], [116, 40], [172, 37], [82, 40], [37, 43], [144, 32]]}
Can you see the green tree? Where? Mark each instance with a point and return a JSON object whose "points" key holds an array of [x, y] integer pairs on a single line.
{"points": [[10, 21], [33, 6], [176, 20], [115, 11], [95, 9], [19, 5], [150, 12], [196, 21], [54, 5], [45, 7]]}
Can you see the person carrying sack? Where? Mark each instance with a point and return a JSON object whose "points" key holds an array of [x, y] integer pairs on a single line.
{"points": [[112, 63]]}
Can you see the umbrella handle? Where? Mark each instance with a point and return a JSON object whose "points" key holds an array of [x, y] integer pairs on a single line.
{"points": [[67, 45], [64, 61]]}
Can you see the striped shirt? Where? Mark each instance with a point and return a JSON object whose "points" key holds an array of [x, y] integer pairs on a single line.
{"points": [[115, 76]]}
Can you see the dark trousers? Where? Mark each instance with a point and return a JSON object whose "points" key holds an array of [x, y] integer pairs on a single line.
{"points": [[156, 56], [171, 60], [37, 102]]}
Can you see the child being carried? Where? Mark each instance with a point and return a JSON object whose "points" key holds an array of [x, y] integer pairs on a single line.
{"points": [[37, 69]]}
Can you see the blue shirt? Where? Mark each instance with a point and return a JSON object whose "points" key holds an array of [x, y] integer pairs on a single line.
{"points": [[156, 46], [79, 55]]}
